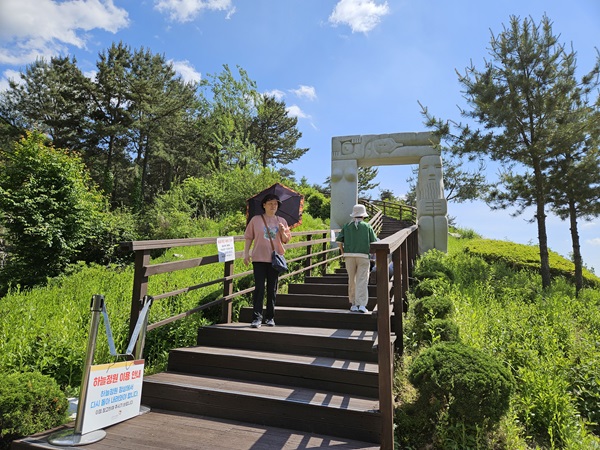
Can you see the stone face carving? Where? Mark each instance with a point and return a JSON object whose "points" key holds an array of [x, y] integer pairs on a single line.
{"points": [[432, 207], [350, 152]]}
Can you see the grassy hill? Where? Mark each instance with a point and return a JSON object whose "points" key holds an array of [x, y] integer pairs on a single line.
{"points": [[550, 341]]}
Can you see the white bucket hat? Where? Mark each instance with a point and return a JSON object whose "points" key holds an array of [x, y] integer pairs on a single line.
{"points": [[359, 211]]}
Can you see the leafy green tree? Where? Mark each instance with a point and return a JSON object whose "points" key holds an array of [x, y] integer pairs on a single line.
{"points": [[387, 195], [212, 197], [9, 133], [109, 139], [49, 207], [518, 100], [366, 175], [52, 97], [159, 101], [575, 172], [274, 133], [230, 105]]}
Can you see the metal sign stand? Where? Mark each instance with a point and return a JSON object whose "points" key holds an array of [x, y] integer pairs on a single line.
{"points": [[73, 437]]}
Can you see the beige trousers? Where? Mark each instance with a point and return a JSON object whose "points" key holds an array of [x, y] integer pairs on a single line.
{"points": [[358, 280]]}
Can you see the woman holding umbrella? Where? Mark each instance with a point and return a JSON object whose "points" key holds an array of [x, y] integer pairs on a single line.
{"points": [[262, 230]]}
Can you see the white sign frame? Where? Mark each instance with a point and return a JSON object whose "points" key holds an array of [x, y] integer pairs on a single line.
{"points": [[226, 248], [114, 394]]}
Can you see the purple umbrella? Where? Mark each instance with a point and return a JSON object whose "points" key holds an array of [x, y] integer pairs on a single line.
{"points": [[292, 204]]}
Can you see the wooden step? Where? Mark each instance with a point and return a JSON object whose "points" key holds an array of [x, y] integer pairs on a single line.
{"points": [[320, 301], [324, 289], [328, 279], [337, 375], [310, 341], [321, 318], [160, 430], [313, 410]]}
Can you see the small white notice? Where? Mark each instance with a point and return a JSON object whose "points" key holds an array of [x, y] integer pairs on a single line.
{"points": [[114, 394], [226, 248]]}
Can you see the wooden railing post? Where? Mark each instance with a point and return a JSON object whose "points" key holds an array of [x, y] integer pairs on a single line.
{"points": [[398, 290], [406, 262], [323, 268], [140, 287], [384, 351], [227, 305], [308, 261]]}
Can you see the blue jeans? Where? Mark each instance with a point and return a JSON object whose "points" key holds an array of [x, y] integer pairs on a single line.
{"points": [[264, 272]]}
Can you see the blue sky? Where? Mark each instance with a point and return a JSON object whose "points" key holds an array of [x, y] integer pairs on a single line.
{"points": [[343, 67]]}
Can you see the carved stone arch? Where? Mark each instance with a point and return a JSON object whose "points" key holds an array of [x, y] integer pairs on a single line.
{"points": [[348, 153]]}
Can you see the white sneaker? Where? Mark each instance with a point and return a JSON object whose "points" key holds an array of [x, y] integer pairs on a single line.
{"points": [[255, 324], [362, 309], [354, 308], [270, 323]]}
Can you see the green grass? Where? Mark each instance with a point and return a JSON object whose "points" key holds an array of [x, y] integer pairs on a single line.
{"points": [[46, 328], [548, 338]]}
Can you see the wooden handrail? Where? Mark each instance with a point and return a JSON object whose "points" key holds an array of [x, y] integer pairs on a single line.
{"points": [[391, 209], [401, 248], [143, 270]]}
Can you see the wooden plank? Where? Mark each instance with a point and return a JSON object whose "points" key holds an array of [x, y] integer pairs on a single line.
{"points": [[300, 410], [176, 431], [346, 364], [337, 375]]}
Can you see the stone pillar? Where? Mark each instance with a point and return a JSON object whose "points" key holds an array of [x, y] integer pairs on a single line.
{"points": [[432, 207], [344, 191]]}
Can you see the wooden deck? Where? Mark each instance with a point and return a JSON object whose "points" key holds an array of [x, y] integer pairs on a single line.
{"points": [[188, 431]]}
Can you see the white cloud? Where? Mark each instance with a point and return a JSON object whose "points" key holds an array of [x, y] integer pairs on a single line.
{"points": [[359, 15], [305, 92], [275, 93], [594, 242], [9, 75], [296, 111], [188, 10], [187, 72], [586, 225], [30, 29], [91, 74]]}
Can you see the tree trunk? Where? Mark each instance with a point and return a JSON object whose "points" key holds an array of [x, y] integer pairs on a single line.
{"points": [[541, 223], [543, 243], [577, 260], [145, 162]]}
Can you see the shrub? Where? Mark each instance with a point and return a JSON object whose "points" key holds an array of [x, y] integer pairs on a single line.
{"points": [[431, 323], [29, 403], [433, 264], [49, 205], [316, 204], [433, 307], [438, 330], [107, 232], [473, 387], [429, 287]]}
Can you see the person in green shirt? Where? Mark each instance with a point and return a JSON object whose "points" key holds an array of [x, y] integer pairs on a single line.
{"points": [[354, 241]]}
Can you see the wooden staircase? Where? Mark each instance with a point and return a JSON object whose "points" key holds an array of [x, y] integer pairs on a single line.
{"points": [[312, 381], [391, 225], [315, 371]]}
